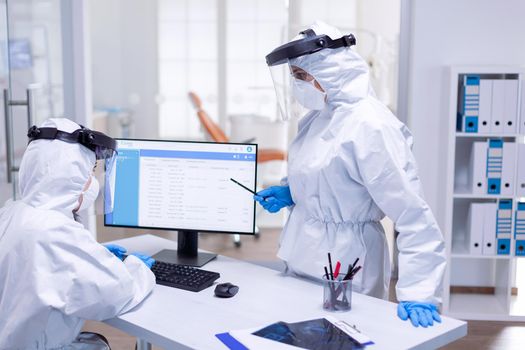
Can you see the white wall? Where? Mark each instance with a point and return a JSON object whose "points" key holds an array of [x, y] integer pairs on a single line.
{"points": [[443, 33], [381, 16], [125, 59]]}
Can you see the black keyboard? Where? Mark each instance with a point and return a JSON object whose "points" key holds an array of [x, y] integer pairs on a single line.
{"points": [[183, 277]]}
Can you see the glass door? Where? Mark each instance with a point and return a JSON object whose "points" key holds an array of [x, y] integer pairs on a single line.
{"points": [[6, 189], [31, 77]]}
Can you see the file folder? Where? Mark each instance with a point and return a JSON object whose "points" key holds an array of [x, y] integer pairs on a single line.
{"points": [[485, 106], [508, 168], [475, 227], [510, 117], [504, 226], [498, 106], [522, 113], [494, 166], [519, 229], [489, 228], [478, 161], [469, 104], [520, 181]]}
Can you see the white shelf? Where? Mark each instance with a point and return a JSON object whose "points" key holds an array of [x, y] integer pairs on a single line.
{"points": [[480, 196], [473, 134], [477, 305], [487, 69], [480, 316], [465, 194], [470, 256], [517, 305]]}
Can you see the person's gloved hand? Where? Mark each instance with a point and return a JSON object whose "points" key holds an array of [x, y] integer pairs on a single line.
{"points": [[423, 314], [274, 198], [146, 259], [117, 250]]}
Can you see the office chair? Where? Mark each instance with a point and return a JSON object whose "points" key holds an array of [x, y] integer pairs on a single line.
{"points": [[217, 134]]}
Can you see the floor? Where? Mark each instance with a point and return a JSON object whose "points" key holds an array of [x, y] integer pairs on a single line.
{"points": [[481, 335]]}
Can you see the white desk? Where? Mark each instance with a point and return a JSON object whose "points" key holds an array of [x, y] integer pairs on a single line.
{"points": [[178, 319]]}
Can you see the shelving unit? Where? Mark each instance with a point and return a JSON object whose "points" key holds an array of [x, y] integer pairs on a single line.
{"points": [[478, 273]]}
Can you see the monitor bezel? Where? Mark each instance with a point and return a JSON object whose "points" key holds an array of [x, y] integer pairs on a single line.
{"points": [[194, 230]]}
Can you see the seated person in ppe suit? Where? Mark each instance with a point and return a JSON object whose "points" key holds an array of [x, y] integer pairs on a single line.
{"points": [[350, 165], [54, 273]]}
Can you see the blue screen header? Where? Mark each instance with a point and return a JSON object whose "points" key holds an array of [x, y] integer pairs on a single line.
{"points": [[247, 157]]}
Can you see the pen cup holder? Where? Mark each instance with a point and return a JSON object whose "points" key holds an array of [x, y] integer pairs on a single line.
{"points": [[337, 294]]}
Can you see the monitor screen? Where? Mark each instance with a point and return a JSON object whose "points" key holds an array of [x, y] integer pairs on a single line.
{"points": [[178, 185]]}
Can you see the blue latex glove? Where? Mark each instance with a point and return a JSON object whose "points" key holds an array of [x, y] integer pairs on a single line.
{"points": [[146, 259], [423, 314], [117, 250], [274, 198]]}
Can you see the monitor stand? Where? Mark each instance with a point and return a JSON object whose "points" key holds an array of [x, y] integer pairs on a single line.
{"points": [[187, 251]]}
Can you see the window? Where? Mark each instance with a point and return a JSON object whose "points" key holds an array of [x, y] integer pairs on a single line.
{"points": [[254, 28], [187, 62], [190, 58]]}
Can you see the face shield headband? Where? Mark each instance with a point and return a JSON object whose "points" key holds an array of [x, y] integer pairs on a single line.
{"points": [[309, 44], [295, 89], [104, 147]]}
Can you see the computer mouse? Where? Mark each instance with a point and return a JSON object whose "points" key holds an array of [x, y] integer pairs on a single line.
{"points": [[226, 290]]}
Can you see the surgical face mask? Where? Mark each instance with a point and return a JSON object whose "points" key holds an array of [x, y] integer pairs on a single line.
{"points": [[89, 195], [308, 95]]}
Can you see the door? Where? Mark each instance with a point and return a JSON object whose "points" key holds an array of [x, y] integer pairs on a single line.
{"points": [[6, 189], [36, 57]]}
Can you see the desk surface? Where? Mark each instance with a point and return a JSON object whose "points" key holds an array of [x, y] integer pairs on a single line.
{"points": [[174, 318]]}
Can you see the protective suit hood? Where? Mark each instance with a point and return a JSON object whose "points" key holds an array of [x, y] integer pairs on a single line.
{"points": [[53, 173], [341, 72]]}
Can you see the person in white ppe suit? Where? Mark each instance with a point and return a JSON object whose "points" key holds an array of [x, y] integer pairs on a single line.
{"points": [[350, 165], [54, 274]]}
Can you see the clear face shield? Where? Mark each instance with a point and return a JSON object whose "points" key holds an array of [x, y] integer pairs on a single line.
{"points": [[296, 89], [105, 173], [105, 151]]}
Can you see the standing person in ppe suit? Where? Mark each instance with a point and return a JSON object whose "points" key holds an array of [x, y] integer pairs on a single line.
{"points": [[54, 273], [349, 166]]}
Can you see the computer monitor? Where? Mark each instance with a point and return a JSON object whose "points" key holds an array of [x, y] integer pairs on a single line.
{"points": [[184, 186]]}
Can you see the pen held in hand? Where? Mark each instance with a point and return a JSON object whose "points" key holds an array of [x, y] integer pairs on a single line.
{"points": [[246, 188]]}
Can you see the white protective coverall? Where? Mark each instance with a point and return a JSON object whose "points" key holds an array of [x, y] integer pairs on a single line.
{"points": [[53, 273], [349, 165]]}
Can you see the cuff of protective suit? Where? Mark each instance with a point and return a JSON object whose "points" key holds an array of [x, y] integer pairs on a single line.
{"points": [[284, 181], [135, 265], [418, 297], [142, 275]]}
